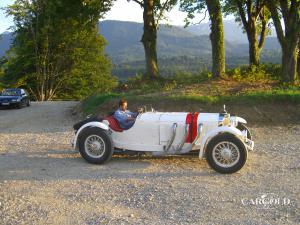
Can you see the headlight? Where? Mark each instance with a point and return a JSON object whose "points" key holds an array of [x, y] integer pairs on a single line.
{"points": [[14, 100], [234, 121], [224, 120]]}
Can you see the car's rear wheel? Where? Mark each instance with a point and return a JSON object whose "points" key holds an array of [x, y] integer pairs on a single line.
{"points": [[226, 153], [95, 145]]}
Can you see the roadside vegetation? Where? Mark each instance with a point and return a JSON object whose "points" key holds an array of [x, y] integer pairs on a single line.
{"points": [[185, 91]]}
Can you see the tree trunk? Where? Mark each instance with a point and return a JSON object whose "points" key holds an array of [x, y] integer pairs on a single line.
{"points": [[149, 39], [298, 60], [289, 61], [254, 51], [217, 38], [249, 16], [287, 37]]}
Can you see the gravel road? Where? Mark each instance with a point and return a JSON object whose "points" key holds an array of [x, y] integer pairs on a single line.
{"points": [[44, 181]]}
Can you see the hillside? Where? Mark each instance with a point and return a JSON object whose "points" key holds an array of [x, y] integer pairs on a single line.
{"points": [[124, 41], [5, 41], [232, 30]]}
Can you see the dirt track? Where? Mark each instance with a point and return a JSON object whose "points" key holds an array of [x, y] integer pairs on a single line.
{"points": [[43, 181]]}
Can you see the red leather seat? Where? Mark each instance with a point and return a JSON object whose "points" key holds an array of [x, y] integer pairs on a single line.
{"points": [[113, 124]]}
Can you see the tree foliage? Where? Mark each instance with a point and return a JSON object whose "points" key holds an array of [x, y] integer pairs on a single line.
{"points": [[57, 48]]}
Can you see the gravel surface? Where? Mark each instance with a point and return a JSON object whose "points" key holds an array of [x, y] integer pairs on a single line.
{"points": [[44, 181]]}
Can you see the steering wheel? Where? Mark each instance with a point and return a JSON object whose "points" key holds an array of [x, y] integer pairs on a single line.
{"points": [[141, 110]]}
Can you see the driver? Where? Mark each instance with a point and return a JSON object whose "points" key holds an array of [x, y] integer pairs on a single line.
{"points": [[125, 118]]}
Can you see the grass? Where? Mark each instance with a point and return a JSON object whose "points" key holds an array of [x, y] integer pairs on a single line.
{"points": [[92, 102], [275, 95], [242, 85]]}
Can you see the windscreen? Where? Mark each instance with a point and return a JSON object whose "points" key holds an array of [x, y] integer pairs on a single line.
{"points": [[11, 92]]}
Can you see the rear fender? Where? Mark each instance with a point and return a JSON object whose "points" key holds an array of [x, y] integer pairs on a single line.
{"points": [[90, 124], [220, 130]]}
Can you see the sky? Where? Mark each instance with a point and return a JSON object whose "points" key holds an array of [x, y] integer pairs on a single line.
{"points": [[122, 10], [5, 22]]}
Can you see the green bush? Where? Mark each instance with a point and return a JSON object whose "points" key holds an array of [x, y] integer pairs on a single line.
{"points": [[255, 73], [185, 77], [140, 84]]}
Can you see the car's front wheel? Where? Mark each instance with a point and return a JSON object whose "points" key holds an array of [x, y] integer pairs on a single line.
{"points": [[21, 104], [226, 153], [95, 145]]}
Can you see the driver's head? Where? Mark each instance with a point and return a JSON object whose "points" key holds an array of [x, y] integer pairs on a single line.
{"points": [[123, 104]]}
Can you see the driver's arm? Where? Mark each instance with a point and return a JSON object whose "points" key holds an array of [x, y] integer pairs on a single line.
{"points": [[133, 114]]}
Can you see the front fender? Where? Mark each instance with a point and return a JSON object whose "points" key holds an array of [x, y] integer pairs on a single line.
{"points": [[241, 120], [90, 124], [235, 120], [217, 131]]}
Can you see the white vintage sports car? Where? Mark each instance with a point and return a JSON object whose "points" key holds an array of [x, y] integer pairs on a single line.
{"points": [[223, 140]]}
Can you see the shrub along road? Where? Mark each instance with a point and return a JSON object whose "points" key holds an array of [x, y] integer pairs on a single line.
{"points": [[44, 181]]}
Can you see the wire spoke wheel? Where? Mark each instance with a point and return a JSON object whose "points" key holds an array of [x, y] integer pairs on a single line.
{"points": [[226, 154], [94, 146]]}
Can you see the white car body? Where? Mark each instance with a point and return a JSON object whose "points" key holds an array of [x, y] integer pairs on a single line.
{"points": [[167, 132]]}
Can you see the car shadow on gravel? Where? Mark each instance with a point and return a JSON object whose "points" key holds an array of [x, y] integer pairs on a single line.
{"points": [[68, 165]]}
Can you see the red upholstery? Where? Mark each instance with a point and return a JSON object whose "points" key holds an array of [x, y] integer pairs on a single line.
{"points": [[113, 124]]}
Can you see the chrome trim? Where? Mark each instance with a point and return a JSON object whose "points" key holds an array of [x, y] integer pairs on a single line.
{"points": [[199, 131], [170, 142], [186, 132]]}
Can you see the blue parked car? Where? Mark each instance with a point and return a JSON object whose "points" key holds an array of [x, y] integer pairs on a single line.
{"points": [[14, 97]]}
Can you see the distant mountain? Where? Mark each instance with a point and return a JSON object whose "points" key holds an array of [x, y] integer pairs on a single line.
{"points": [[5, 41], [233, 31], [175, 46], [124, 41]]}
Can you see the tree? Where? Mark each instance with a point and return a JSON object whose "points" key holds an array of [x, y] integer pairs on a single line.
{"points": [[49, 36], [254, 16], [298, 60], [2, 62], [217, 29], [153, 12], [288, 36], [91, 69]]}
